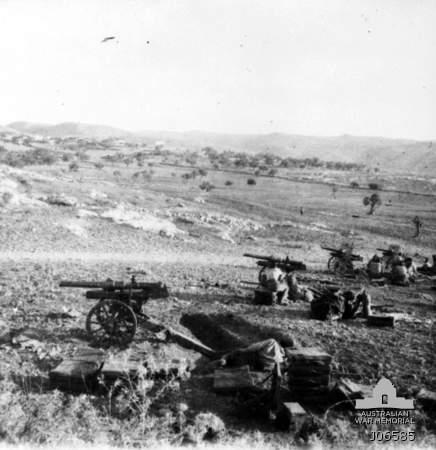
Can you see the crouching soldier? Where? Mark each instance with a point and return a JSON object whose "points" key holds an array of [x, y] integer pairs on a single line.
{"points": [[353, 302], [399, 274], [375, 267], [273, 280], [263, 355], [296, 291]]}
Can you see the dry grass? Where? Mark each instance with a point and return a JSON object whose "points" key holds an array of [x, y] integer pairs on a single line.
{"points": [[147, 414]]}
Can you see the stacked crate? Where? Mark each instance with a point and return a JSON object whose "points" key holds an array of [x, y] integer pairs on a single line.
{"points": [[79, 373], [309, 372]]}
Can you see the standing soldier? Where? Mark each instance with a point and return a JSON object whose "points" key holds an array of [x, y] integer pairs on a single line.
{"points": [[418, 224]]}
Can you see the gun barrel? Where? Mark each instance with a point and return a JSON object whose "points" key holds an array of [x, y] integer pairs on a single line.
{"points": [[265, 258], [331, 249], [109, 284], [285, 265], [91, 284]]}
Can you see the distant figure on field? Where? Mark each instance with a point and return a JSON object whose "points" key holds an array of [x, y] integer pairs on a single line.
{"points": [[301, 211], [418, 225]]}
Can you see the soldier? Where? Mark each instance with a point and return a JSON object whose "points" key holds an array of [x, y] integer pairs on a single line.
{"points": [[352, 303], [399, 274], [427, 268], [364, 299], [375, 268], [418, 225], [349, 305], [412, 271], [274, 279], [296, 291]]}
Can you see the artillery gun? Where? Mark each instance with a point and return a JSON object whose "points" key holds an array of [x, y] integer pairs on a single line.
{"points": [[390, 255], [113, 320], [341, 261], [273, 290], [285, 264]]}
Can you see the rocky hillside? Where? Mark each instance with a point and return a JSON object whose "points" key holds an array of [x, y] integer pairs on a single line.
{"points": [[68, 129], [396, 154]]}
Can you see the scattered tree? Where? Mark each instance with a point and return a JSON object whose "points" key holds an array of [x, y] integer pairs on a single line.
{"points": [[67, 157], [373, 201]]}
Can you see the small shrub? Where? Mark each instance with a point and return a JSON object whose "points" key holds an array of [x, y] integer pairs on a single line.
{"points": [[206, 186], [99, 165], [354, 184], [251, 181], [73, 167], [228, 183], [374, 186], [66, 157], [6, 198], [82, 156], [117, 173]]}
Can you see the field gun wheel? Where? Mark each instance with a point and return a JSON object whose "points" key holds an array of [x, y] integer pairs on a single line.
{"points": [[339, 266], [331, 264], [111, 322]]}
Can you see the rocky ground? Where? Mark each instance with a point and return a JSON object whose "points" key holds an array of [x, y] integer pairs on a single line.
{"points": [[56, 225]]}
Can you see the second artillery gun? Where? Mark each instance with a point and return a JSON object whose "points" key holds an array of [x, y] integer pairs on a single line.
{"points": [[113, 320], [342, 261], [273, 286]]}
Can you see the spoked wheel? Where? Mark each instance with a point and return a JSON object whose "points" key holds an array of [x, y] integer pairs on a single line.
{"points": [[339, 266], [111, 322], [332, 263]]}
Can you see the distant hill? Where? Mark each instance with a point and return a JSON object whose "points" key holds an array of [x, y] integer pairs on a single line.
{"points": [[68, 129], [396, 154]]}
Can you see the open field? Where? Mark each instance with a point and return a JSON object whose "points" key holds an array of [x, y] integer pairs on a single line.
{"points": [[94, 223]]}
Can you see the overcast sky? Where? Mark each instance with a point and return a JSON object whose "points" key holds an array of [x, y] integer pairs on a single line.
{"points": [[365, 67]]}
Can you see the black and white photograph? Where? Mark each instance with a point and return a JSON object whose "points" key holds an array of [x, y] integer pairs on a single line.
{"points": [[217, 224]]}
